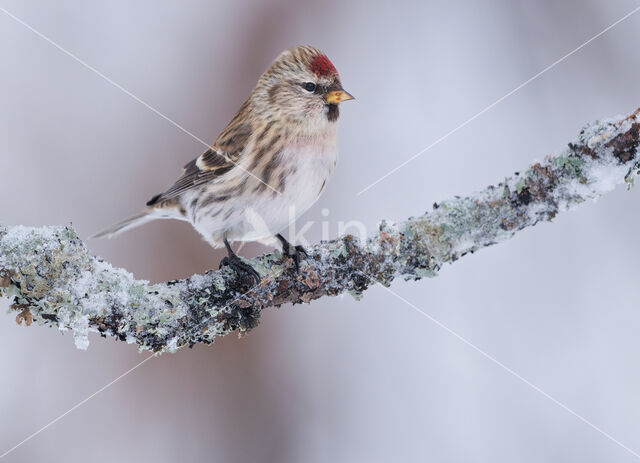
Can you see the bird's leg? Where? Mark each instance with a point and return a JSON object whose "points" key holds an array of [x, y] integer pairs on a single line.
{"points": [[238, 265], [292, 251]]}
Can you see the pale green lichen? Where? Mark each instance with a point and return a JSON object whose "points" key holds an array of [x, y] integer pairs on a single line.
{"points": [[569, 162], [59, 281], [337, 249], [54, 277]]}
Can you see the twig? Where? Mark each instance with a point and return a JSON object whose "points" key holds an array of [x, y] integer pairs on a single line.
{"points": [[55, 281]]}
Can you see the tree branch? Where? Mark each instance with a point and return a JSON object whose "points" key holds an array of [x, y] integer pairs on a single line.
{"points": [[55, 281]]}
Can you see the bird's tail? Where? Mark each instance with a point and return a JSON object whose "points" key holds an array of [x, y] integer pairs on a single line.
{"points": [[143, 217]]}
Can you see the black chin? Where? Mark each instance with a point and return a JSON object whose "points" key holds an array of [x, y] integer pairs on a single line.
{"points": [[333, 112]]}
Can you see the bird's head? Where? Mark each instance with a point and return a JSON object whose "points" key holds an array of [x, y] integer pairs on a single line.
{"points": [[301, 85]]}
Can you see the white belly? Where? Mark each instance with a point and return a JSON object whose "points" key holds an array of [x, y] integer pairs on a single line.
{"points": [[258, 216], [268, 214]]}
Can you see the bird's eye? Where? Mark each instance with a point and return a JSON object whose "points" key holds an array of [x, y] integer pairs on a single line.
{"points": [[309, 86]]}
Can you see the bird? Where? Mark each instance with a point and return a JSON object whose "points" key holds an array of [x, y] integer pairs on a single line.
{"points": [[268, 166]]}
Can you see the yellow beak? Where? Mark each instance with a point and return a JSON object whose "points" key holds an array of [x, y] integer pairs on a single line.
{"points": [[336, 96]]}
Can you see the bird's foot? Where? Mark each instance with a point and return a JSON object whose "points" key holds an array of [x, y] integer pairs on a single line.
{"points": [[243, 269], [295, 252]]}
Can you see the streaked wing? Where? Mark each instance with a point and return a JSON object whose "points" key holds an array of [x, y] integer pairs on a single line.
{"points": [[201, 170], [213, 163]]}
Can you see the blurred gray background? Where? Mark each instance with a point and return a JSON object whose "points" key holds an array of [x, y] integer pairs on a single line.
{"points": [[337, 380]]}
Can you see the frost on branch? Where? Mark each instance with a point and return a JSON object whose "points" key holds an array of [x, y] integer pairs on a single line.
{"points": [[54, 281]]}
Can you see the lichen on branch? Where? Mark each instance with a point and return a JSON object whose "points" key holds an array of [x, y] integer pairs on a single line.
{"points": [[54, 280]]}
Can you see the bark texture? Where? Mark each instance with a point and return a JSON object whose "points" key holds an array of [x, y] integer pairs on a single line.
{"points": [[54, 280]]}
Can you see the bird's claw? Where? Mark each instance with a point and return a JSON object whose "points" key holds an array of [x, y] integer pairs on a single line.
{"points": [[294, 252], [243, 269]]}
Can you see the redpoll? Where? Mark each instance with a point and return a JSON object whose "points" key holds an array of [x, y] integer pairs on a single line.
{"points": [[269, 165]]}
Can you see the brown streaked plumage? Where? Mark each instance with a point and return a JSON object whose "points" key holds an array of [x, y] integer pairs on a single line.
{"points": [[267, 166]]}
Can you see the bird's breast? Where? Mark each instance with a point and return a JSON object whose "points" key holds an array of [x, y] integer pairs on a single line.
{"points": [[251, 210], [306, 168]]}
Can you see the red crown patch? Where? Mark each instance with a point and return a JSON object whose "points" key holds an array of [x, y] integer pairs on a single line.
{"points": [[321, 66]]}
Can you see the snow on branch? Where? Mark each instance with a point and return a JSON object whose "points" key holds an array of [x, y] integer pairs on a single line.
{"points": [[55, 281]]}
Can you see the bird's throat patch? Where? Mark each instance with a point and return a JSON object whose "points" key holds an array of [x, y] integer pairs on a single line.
{"points": [[332, 112]]}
